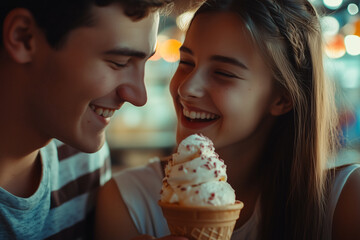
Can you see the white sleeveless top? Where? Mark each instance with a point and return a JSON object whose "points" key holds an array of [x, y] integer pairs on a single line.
{"points": [[140, 188]]}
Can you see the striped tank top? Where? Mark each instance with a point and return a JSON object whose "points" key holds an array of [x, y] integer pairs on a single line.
{"points": [[63, 206]]}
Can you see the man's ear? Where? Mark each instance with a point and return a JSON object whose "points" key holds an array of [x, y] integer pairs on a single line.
{"points": [[18, 35], [282, 104]]}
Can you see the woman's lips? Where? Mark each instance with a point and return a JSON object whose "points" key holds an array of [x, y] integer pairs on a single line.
{"points": [[197, 119], [199, 115]]}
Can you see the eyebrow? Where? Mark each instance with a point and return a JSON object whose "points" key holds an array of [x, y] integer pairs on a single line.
{"points": [[128, 52], [187, 50], [218, 58], [229, 60]]}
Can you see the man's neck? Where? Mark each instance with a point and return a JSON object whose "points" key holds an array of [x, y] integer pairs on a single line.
{"points": [[20, 141], [21, 177], [20, 162]]}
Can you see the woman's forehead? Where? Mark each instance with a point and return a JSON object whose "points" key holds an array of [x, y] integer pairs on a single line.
{"points": [[220, 33]]}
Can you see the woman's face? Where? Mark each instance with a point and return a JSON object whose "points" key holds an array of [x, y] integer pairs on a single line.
{"points": [[222, 87]]}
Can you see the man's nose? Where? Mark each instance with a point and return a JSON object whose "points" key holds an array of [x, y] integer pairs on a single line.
{"points": [[133, 90]]}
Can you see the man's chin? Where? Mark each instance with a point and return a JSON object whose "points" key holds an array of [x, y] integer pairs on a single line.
{"points": [[90, 149], [87, 145], [91, 146]]}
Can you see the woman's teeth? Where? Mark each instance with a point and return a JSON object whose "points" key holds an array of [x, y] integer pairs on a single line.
{"points": [[199, 115], [104, 112]]}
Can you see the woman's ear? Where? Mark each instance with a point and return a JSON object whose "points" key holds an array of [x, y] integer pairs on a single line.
{"points": [[282, 104], [18, 35]]}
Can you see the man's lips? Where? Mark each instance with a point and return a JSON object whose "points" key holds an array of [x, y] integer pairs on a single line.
{"points": [[102, 111]]}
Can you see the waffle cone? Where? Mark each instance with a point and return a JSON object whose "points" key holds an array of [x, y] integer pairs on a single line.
{"points": [[202, 223]]}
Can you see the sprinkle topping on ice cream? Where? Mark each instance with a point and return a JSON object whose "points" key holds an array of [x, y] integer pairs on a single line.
{"points": [[196, 176]]}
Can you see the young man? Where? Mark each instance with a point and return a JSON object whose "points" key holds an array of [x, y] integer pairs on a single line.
{"points": [[65, 68]]}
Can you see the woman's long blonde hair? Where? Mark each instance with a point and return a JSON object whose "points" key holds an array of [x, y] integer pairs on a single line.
{"points": [[295, 179]]}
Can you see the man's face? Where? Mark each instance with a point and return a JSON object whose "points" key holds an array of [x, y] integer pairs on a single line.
{"points": [[75, 90]]}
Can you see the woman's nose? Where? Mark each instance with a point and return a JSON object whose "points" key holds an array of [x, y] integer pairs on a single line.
{"points": [[192, 86]]}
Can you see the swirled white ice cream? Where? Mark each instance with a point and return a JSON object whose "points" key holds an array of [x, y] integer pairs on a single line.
{"points": [[196, 176]]}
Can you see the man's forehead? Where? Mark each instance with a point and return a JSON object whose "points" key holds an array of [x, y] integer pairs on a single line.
{"points": [[123, 34]]}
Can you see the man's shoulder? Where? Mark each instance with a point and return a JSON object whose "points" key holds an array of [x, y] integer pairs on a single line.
{"points": [[68, 164]]}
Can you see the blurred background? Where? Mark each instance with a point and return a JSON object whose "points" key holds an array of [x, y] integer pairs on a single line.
{"points": [[137, 134]]}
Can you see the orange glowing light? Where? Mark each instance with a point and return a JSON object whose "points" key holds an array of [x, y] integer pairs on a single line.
{"points": [[157, 55], [357, 28], [169, 50], [335, 47]]}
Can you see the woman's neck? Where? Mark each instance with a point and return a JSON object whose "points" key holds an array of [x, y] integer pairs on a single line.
{"points": [[243, 175], [243, 163], [244, 160]]}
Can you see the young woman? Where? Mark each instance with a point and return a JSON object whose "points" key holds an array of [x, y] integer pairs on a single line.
{"points": [[251, 78]]}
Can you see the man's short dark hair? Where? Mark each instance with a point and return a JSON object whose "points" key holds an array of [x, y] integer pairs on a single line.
{"points": [[58, 17]]}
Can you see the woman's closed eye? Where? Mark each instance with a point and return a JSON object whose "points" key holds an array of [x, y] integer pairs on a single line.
{"points": [[188, 63], [226, 74]]}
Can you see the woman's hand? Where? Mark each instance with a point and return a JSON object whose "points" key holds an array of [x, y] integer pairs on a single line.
{"points": [[148, 237]]}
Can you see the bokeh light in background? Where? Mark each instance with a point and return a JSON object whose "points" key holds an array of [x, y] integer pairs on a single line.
{"points": [[341, 30], [353, 9], [330, 26], [169, 50], [333, 4], [184, 20], [341, 39], [335, 46], [352, 44]]}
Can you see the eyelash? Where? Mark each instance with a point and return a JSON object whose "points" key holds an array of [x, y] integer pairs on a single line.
{"points": [[117, 64], [226, 74], [186, 63]]}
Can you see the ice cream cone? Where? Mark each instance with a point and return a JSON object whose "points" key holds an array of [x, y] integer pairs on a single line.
{"points": [[203, 222]]}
